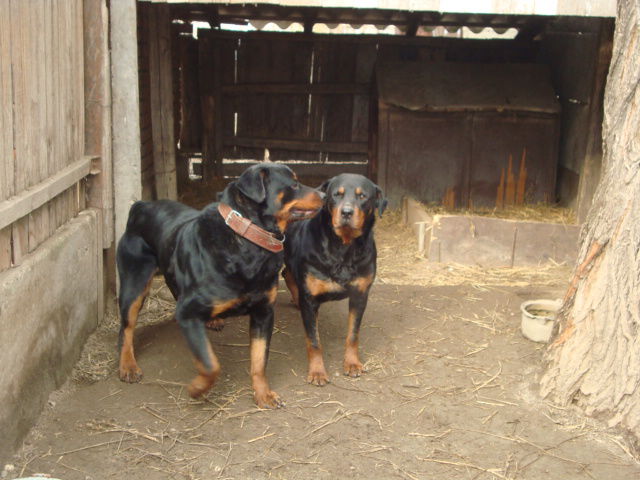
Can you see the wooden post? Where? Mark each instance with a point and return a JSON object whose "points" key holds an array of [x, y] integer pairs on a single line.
{"points": [[161, 89], [422, 233], [590, 172], [127, 178], [98, 112]]}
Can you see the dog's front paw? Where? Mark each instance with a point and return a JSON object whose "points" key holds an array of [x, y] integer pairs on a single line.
{"points": [[130, 373], [217, 324], [268, 399], [199, 386], [318, 378], [353, 369]]}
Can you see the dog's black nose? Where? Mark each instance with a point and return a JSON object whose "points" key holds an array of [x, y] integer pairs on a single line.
{"points": [[346, 211]]}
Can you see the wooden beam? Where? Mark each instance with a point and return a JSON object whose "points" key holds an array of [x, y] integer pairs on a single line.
{"points": [[125, 98], [23, 204], [298, 88], [306, 145], [98, 111], [161, 88], [590, 171], [318, 169]]}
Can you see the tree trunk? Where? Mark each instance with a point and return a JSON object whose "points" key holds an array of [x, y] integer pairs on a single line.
{"points": [[594, 361]]}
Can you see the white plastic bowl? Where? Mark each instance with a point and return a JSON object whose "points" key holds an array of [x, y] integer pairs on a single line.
{"points": [[539, 327]]}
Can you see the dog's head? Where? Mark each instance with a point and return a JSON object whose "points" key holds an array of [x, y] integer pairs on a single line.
{"points": [[276, 191], [351, 202]]}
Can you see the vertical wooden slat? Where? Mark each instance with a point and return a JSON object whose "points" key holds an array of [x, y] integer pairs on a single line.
{"points": [[63, 84], [60, 209], [39, 219], [58, 66], [53, 215], [19, 240], [211, 101], [6, 108], [217, 111], [20, 55], [5, 248], [24, 165], [205, 74], [79, 81], [39, 75], [63, 212], [72, 203], [82, 195], [7, 187], [38, 227], [161, 86], [49, 100]]}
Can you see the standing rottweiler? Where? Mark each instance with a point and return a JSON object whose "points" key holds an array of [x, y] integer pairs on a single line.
{"points": [[333, 256], [221, 261]]}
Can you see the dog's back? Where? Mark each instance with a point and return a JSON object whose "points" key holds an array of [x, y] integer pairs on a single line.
{"points": [[155, 222]]}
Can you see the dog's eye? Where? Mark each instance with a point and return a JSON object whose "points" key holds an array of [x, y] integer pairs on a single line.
{"points": [[338, 194], [295, 186], [361, 196]]}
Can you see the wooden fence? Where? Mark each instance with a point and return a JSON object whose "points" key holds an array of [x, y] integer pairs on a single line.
{"points": [[42, 122], [304, 98]]}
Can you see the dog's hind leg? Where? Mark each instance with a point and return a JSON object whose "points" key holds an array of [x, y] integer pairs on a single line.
{"points": [[136, 266], [292, 286], [317, 374]]}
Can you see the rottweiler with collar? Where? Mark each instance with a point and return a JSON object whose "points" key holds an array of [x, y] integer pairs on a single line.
{"points": [[221, 261], [332, 256]]}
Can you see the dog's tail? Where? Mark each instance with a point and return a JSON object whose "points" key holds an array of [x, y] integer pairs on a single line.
{"points": [[136, 211]]}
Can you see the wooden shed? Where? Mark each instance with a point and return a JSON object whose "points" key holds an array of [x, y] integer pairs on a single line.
{"points": [[467, 134]]}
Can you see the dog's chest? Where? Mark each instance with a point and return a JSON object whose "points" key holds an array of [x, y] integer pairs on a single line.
{"points": [[342, 274]]}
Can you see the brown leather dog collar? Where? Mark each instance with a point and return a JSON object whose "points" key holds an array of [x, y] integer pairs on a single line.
{"points": [[245, 228]]}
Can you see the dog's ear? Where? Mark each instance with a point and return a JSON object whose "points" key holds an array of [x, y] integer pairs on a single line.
{"points": [[251, 183], [325, 185], [381, 201]]}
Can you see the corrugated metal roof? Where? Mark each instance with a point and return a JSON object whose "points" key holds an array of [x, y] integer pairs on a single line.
{"points": [[449, 86], [588, 8]]}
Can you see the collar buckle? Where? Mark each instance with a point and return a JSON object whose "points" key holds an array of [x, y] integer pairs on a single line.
{"points": [[234, 213]]}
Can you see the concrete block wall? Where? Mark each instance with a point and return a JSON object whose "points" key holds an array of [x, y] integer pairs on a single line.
{"points": [[48, 306]]}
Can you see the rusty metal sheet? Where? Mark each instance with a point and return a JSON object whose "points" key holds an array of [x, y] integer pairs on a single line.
{"points": [[462, 159], [428, 156], [532, 144]]}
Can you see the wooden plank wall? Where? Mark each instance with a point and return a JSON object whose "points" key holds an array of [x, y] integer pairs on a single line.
{"points": [[305, 98], [41, 114]]}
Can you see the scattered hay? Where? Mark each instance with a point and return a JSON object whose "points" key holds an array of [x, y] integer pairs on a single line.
{"points": [[98, 358], [400, 264], [99, 355]]}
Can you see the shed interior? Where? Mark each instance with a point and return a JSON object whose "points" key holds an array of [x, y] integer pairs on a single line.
{"points": [[215, 98]]}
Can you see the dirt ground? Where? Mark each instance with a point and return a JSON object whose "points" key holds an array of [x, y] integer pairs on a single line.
{"points": [[451, 392]]}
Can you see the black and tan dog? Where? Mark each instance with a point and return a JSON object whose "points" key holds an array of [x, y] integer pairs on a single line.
{"points": [[223, 260], [333, 256]]}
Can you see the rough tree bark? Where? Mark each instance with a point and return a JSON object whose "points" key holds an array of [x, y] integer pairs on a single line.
{"points": [[594, 361]]}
